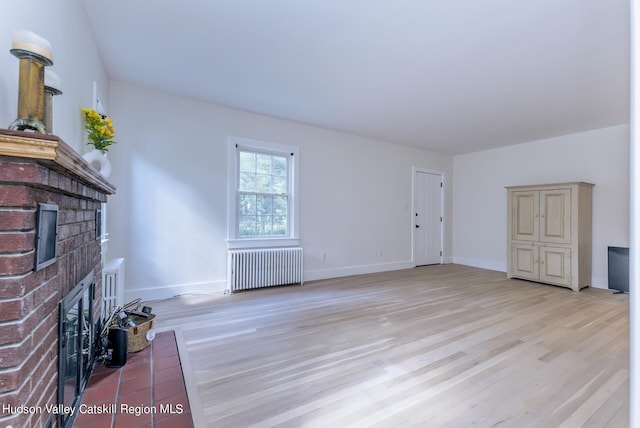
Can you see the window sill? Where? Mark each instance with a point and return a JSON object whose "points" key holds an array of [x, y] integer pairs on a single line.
{"points": [[262, 243]]}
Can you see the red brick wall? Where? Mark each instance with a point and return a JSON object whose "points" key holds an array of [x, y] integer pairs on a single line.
{"points": [[28, 299]]}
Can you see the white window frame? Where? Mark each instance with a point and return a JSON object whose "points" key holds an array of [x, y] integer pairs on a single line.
{"points": [[233, 239]]}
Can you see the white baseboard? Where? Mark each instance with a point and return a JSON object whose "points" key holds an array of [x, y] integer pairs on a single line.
{"points": [[313, 275], [597, 282], [214, 287], [484, 264], [168, 291], [165, 292]]}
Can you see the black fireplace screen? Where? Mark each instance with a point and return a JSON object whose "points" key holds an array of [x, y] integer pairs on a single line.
{"points": [[75, 344]]}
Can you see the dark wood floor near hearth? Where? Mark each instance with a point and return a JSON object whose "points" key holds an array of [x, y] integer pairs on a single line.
{"points": [[151, 379]]}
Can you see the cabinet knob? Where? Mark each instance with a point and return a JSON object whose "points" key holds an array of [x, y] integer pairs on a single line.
{"points": [[541, 215]]}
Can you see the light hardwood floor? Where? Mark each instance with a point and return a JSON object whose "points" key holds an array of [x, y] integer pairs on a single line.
{"points": [[436, 346]]}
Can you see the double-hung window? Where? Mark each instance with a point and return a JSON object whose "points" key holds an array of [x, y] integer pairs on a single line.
{"points": [[262, 202]]}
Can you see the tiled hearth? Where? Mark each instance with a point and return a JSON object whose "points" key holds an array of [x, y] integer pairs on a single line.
{"points": [[148, 391]]}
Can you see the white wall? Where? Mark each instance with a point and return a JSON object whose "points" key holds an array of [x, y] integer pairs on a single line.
{"points": [[75, 59], [169, 217], [600, 157]]}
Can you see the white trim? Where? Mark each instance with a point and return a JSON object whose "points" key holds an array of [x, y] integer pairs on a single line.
{"points": [[316, 274], [597, 282], [190, 381], [480, 263], [168, 291], [414, 171], [218, 287], [634, 217], [233, 241]]}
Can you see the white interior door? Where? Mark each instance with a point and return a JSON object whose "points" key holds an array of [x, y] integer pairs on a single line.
{"points": [[427, 225]]}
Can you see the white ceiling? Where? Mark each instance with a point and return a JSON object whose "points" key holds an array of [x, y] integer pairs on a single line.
{"points": [[454, 76]]}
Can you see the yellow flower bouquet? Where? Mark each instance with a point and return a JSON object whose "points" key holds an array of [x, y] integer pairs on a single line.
{"points": [[100, 131]]}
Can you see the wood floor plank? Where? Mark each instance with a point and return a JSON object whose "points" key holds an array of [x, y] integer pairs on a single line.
{"points": [[437, 346]]}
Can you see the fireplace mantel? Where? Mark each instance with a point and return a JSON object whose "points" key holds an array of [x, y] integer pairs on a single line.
{"points": [[53, 153]]}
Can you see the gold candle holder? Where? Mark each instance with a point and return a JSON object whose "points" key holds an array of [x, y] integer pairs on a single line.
{"points": [[34, 54], [52, 85]]}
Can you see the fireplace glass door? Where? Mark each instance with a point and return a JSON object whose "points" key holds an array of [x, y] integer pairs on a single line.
{"points": [[75, 349]]}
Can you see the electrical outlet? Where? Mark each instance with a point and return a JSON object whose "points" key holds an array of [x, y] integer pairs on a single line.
{"points": [[323, 257]]}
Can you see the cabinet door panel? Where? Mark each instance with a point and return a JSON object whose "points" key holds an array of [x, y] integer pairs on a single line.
{"points": [[555, 216], [555, 265], [524, 261], [524, 216]]}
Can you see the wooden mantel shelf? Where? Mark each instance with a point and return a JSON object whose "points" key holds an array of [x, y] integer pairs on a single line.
{"points": [[51, 151]]}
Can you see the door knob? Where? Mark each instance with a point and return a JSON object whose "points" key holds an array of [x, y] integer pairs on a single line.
{"points": [[417, 226]]}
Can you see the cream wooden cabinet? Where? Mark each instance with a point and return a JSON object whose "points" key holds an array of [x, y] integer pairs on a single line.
{"points": [[549, 233]]}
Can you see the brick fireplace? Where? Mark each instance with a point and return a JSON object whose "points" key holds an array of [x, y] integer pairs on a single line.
{"points": [[42, 169]]}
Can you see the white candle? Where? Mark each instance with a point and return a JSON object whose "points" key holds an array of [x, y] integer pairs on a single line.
{"points": [[52, 80], [31, 42]]}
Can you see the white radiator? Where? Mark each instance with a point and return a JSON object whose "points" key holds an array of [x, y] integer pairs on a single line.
{"points": [[265, 267], [112, 286]]}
